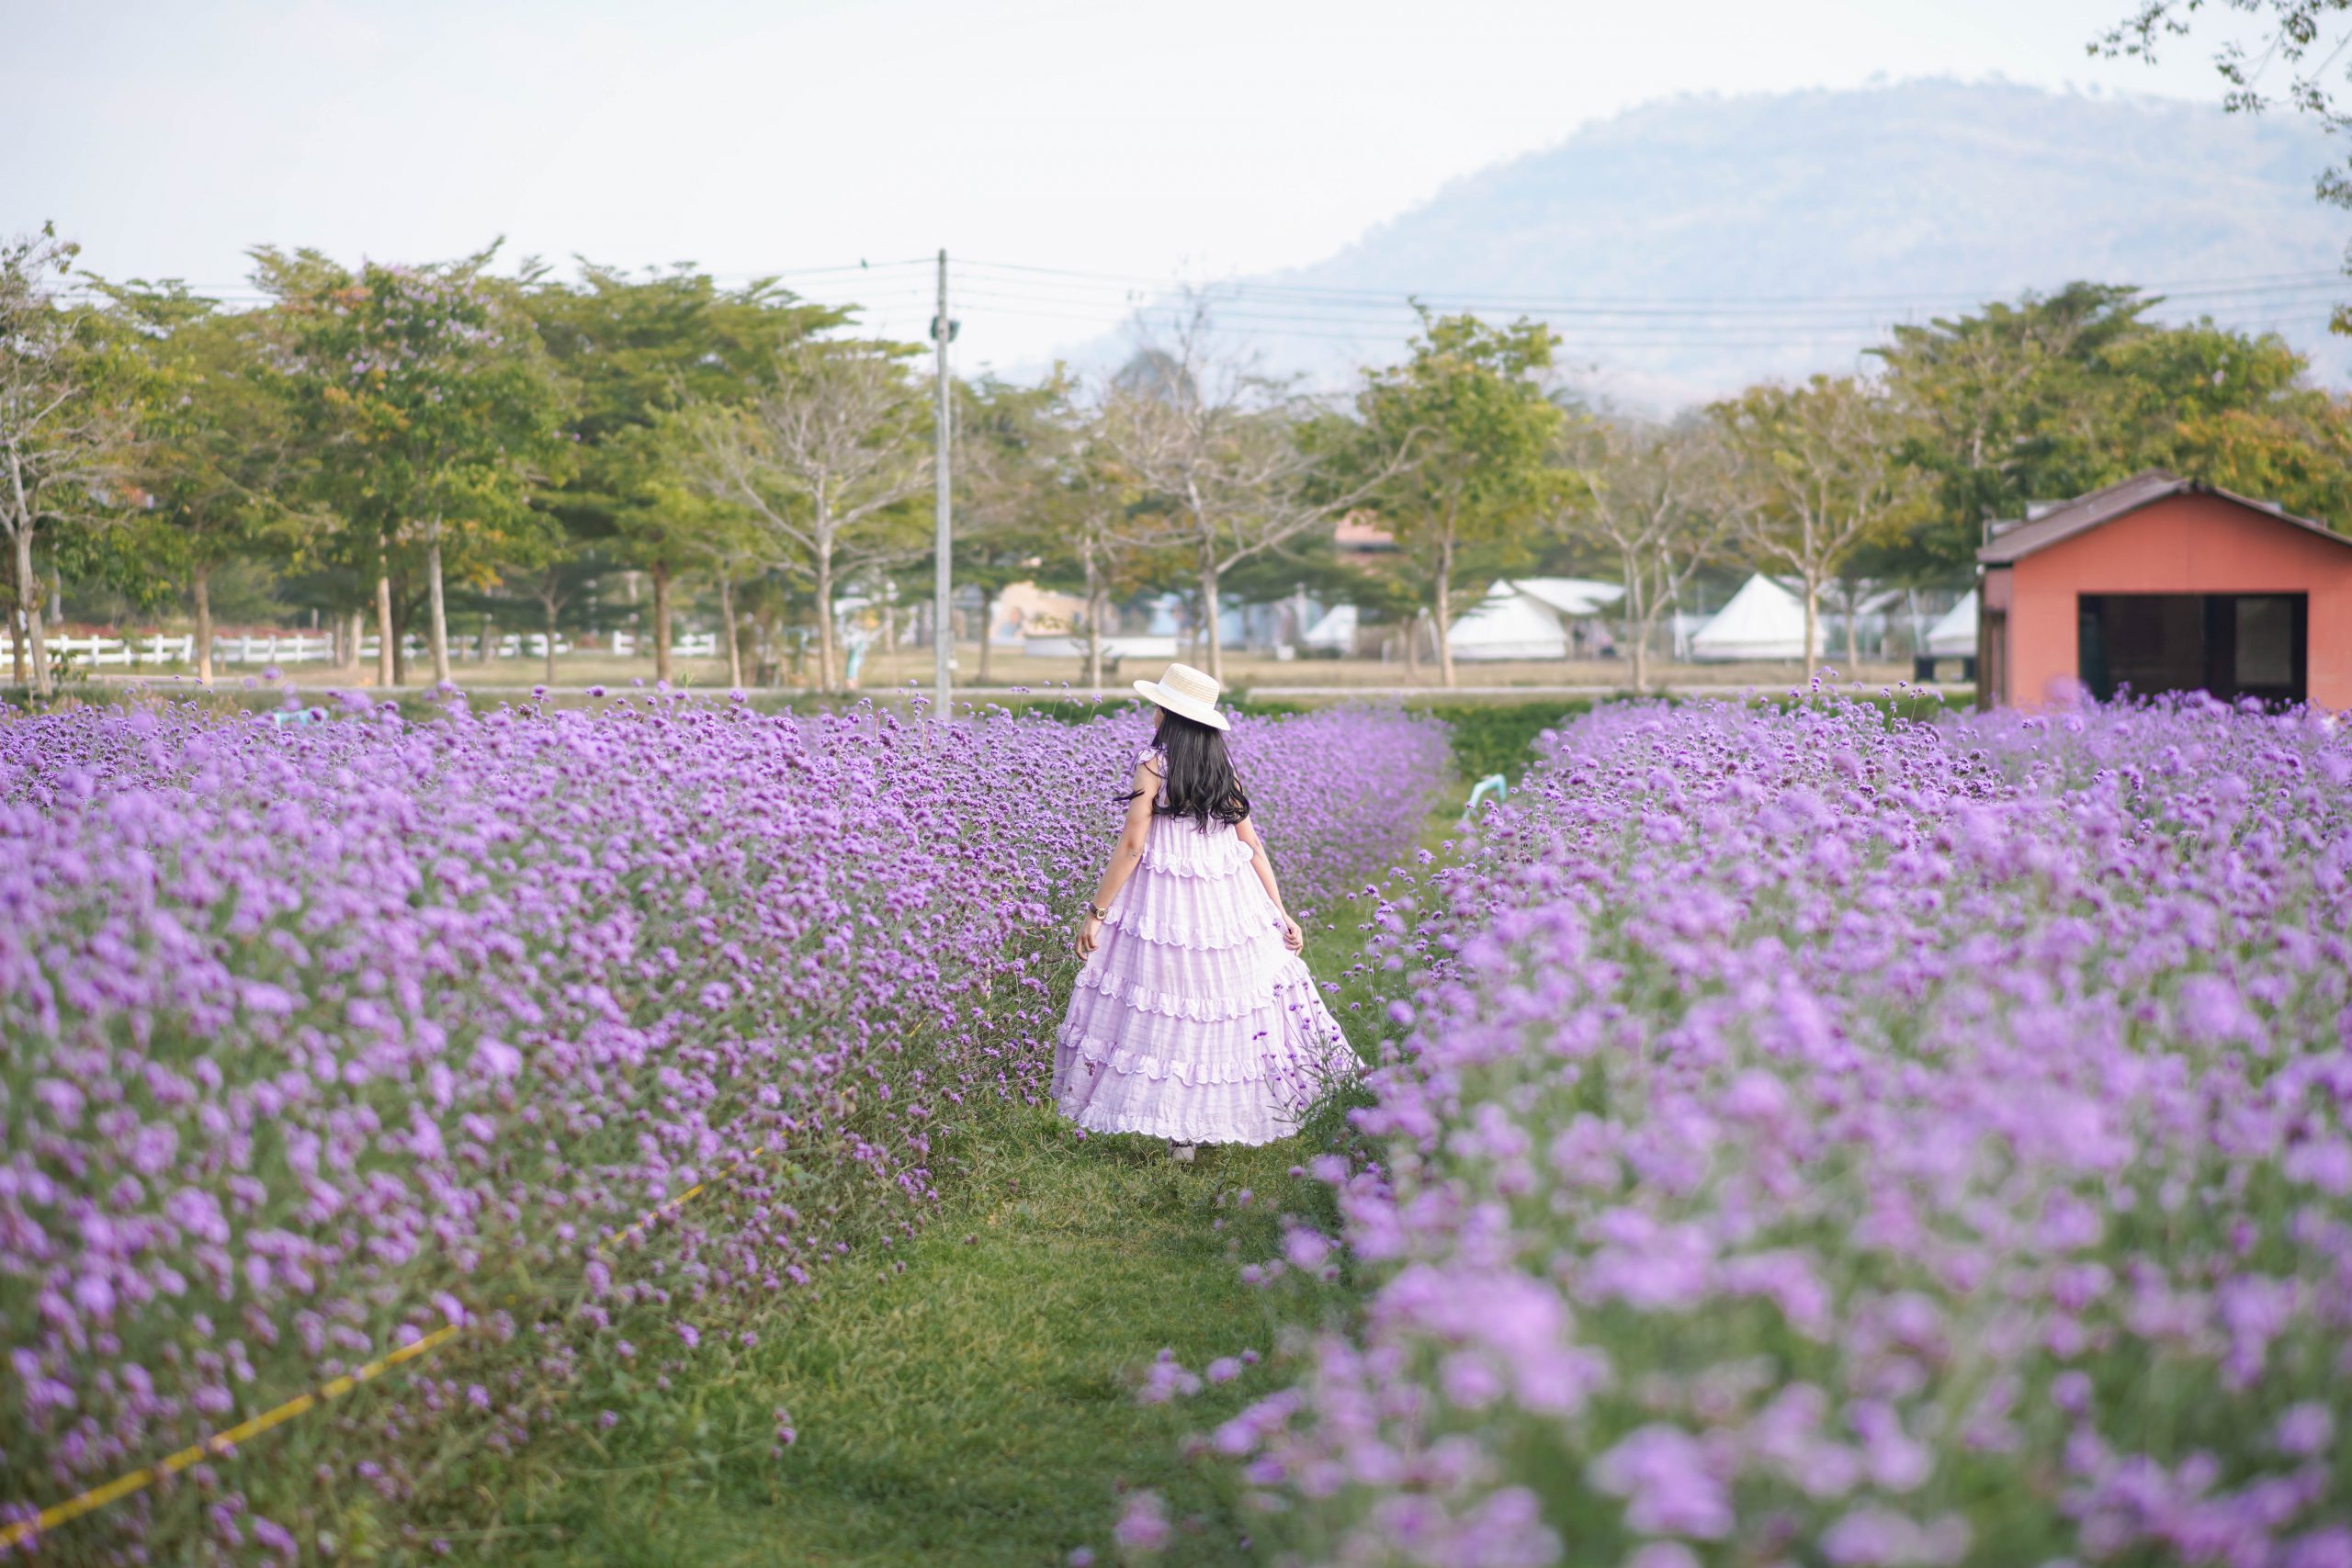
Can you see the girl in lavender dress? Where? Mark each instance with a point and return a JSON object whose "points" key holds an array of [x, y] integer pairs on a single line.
{"points": [[1195, 1019]]}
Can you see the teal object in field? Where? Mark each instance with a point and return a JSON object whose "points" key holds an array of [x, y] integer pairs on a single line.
{"points": [[1494, 785]]}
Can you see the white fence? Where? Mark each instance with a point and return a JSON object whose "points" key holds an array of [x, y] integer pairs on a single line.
{"points": [[318, 648]]}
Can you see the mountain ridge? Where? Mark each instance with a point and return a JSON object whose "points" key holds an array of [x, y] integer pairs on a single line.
{"points": [[1810, 221]]}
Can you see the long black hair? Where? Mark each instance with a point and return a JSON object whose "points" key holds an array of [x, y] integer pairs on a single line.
{"points": [[1201, 784]]}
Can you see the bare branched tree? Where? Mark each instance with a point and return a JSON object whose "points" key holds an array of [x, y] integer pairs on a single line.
{"points": [[820, 457], [63, 439], [1818, 469], [1655, 495], [1204, 436], [1109, 529]]}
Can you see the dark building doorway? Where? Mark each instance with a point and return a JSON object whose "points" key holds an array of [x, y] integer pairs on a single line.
{"points": [[2230, 645]]}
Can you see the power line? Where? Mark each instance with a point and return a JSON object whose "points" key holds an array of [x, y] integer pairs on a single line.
{"points": [[2181, 287], [885, 293]]}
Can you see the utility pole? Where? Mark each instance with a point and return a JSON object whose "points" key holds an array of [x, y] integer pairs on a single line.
{"points": [[943, 639]]}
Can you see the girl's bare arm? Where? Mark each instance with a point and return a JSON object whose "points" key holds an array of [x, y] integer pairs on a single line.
{"points": [[1127, 854], [1263, 865]]}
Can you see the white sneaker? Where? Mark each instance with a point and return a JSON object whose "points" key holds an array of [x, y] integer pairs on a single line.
{"points": [[1182, 1152]]}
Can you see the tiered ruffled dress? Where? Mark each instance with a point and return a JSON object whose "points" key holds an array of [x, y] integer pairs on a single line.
{"points": [[1192, 1020]]}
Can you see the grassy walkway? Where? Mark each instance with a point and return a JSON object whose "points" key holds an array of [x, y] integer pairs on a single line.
{"points": [[978, 1408]]}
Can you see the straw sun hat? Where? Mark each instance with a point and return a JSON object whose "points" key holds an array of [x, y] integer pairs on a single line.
{"points": [[1187, 691]]}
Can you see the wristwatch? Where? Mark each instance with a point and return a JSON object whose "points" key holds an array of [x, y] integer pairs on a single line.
{"points": [[1099, 914]]}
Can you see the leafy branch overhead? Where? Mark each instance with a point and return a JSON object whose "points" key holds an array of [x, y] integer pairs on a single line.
{"points": [[2301, 59]]}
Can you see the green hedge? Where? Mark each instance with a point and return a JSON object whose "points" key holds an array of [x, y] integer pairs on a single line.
{"points": [[1498, 737]]}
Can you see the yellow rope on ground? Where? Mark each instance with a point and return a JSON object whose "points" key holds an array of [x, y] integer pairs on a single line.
{"points": [[221, 1443]]}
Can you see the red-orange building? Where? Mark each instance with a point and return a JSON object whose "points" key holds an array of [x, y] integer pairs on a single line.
{"points": [[2160, 584]]}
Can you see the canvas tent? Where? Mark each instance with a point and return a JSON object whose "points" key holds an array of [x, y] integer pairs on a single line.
{"points": [[1507, 624], [1526, 617], [1954, 637], [1576, 597], [1763, 620], [1336, 631]]}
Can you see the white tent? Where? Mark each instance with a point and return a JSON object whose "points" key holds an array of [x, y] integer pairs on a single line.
{"points": [[1336, 630], [1763, 620], [1954, 637], [1508, 623], [1573, 596]]}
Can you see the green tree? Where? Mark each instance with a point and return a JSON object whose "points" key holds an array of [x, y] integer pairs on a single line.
{"points": [[1817, 469], [66, 423], [2013, 405], [1018, 515], [2300, 458], [634, 348], [1470, 406], [440, 410], [2235, 410], [218, 455], [2052, 396]]}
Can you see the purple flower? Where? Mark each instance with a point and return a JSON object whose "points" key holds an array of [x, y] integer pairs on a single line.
{"points": [[1143, 1524]]}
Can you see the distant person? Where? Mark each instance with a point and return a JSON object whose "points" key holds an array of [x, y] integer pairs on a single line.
{"points": [[1195, 1019]]}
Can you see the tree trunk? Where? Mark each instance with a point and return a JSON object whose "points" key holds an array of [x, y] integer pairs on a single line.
{"points": [[16, 623], [1413, 645], [482, 654], [1812, 620], [1210, 631], [824, 554], [1853, 637], [401, 638], [661, 623], [548, 600], [988, 596], [1645, 616], [33, 666], [1094, 610], [726, 624], [200, 586], [388, 668], [1445, 609], [436, 630], [354, 631]]}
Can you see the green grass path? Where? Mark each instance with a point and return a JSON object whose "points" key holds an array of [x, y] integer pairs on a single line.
{"points": [[978, 1408]]}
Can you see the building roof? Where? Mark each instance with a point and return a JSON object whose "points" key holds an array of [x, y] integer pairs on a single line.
{"points": [[2014, 542]]}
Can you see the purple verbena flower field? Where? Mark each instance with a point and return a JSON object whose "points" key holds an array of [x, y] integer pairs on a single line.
{"points": [[600, 1032], [1818, 1139]]}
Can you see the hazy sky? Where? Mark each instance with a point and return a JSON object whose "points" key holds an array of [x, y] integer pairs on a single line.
{"points": [[1201, 139]]}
